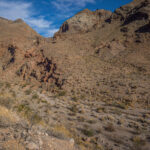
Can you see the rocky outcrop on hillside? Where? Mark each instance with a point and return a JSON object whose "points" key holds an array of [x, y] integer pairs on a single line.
{"points": [[84, 21], [42, 69], [135, 12]]}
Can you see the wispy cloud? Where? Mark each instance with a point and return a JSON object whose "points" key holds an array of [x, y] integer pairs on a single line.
{"points": [[14, 10], [69, 5], [67, 8], [38, 22], [25, 10], [51, 32]]}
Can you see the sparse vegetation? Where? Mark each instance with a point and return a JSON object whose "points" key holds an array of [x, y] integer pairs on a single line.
{"points": [[87, 86], [7, 85], [74, 108], [35, 96], [88, 132], [32, 116], [110, 127], [35, 118], [7, 102], [91, 121], [74, 98], [1, 85], [100, 109], [138, 143], [28, 92], [24, 107], [62, 93]]}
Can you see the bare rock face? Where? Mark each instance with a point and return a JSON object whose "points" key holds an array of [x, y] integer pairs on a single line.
{"points": [[135, 11], [84, 21]]}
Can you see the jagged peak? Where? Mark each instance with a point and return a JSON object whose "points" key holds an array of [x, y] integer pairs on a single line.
{"points": [[4, 19], [85, 11], [19, 20], [1, 18]]}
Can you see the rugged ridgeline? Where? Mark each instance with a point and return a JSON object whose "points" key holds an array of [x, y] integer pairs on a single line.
{"points": [[78, 84]]}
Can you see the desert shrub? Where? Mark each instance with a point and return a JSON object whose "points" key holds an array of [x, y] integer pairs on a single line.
{"points": [[100, 109], [13, 93], [24, 107], [44, 101], [138, 143], [32, 116], [7, 85], [24, 85], [74, 108], [110, 127], [28, 92], [7, 102], [88, 132], [59, 131], [81, 119], [35, 118], [120, 105], [91, 121], [35, 96], [61, 93], [82, 97], [1, 85], [74, 98]]}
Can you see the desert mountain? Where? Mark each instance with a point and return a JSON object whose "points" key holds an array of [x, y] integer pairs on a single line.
{"points": [[98, 60], [84, 21]]}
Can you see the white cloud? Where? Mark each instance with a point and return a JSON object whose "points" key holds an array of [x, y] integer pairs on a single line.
{"points": [[51, 32], [14, 9], [68, 5], [40, 22]]}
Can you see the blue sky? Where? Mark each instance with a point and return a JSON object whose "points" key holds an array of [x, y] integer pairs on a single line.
{"points": [[46, 16]]}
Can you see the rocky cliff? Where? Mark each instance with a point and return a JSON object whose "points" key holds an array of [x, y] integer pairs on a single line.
{"points": [[84, 21]]}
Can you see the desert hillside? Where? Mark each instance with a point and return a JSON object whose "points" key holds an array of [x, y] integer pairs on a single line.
{"points": [[86, 88]]}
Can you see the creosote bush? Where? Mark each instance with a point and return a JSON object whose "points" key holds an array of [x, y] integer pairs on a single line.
{"points": [[7, 102], [88, 132], [28, 92], [138, 143], [110, 127], [35, 96], [61, 93]]}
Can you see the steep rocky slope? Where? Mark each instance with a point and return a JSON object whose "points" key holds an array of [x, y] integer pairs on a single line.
{"points": [[91, 80], [22, 56], [84, 21], [108, 60]]}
